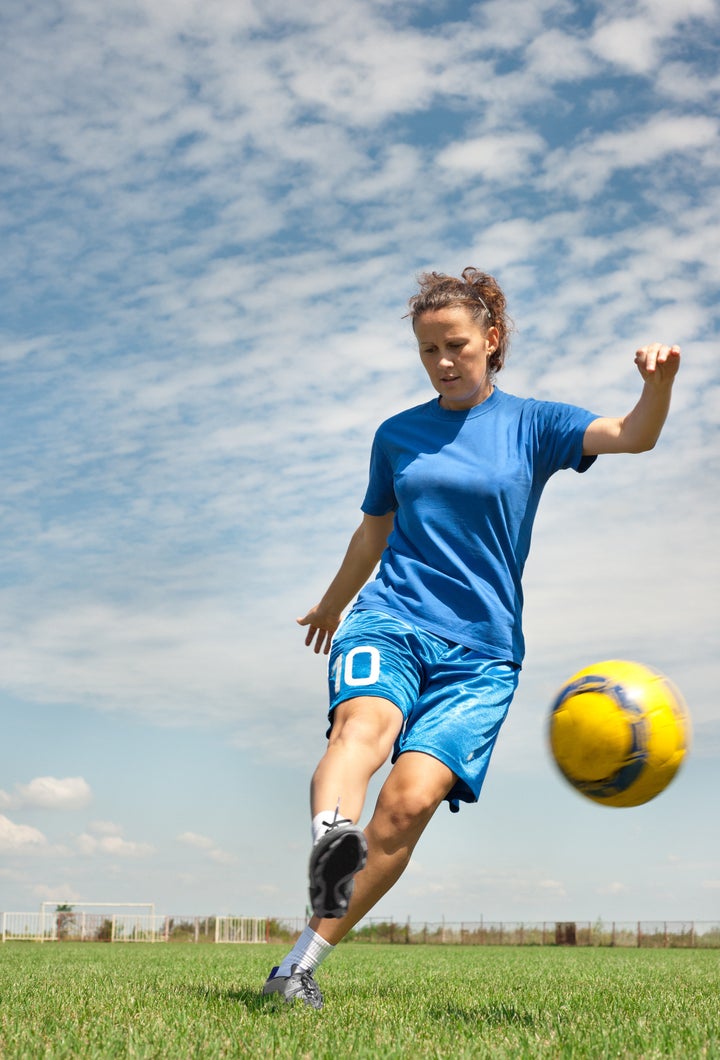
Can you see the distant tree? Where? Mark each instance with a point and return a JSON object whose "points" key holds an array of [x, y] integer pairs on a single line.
{"points": [[64, 919], [104, 932]]}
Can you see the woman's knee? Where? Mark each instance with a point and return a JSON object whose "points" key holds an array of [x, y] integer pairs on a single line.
{"points": [[368, 721], [396, 826], [409, 811], [411, 795]]}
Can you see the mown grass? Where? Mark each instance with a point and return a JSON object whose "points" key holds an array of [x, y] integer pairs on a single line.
{"points": [[74, 1000]]}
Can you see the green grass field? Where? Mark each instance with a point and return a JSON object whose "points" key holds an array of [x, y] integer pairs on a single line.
{"points": [[78, 1000]]}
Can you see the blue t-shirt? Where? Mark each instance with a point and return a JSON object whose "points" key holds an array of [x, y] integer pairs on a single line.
{"points": [[465, 487]]}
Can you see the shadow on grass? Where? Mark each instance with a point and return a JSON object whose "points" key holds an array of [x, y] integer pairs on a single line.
{"points": [[252, 1000]]}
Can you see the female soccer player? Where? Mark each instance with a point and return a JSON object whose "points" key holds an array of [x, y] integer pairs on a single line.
{"points": [[426, 663]]}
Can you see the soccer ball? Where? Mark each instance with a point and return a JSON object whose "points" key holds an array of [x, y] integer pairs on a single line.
{"points": [[618, 732]]}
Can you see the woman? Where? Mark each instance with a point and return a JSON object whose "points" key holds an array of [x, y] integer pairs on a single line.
{"points": [[426, 664]]}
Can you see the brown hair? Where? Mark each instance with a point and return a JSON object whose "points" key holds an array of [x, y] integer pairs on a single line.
{"points": [[474, 290]]}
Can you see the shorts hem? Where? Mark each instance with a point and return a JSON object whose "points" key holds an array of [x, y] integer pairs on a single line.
{"points": [[354, 695], [344, 698], [461, 788]]}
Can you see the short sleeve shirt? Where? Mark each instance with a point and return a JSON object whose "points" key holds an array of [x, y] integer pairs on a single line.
{"points": [[465, 488]]}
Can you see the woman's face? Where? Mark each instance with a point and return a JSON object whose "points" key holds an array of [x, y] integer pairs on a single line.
{"points": [[454, 350]]}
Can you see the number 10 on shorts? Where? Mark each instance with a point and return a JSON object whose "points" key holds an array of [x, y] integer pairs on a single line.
{"points": [[361, 666]]}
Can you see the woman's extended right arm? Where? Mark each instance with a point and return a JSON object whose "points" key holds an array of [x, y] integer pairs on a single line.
{"points": [[364, 551]]}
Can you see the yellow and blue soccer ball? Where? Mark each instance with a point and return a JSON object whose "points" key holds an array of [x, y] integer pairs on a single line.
{"points": [[619, 732]]}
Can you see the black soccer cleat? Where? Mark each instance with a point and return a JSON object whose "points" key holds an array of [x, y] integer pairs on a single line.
{"points": [[334, 862]]}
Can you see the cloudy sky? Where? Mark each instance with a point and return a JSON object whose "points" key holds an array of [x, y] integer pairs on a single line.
{"points": [[212, 216]]}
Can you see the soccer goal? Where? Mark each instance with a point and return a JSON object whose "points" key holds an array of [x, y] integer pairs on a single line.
{"points": [[240, 929], [138, 927], [101, 922]]}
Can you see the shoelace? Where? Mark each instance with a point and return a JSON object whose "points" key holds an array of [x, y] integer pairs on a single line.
{"points": [[310, 987], [337, 820]]}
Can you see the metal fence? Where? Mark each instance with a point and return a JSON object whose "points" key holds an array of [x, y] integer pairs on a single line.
{"points": [[676, 934], [77, 926]]}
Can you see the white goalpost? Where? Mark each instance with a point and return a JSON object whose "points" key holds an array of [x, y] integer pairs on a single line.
{"points": [[99, 921], [240, 929], [75, 921]]}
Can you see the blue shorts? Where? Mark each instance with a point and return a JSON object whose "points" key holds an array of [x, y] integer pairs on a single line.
{"points": [[453, 700]]}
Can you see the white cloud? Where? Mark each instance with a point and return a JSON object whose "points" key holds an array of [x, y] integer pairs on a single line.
{"points": [[193, 839], [65, 894], [208, 846], [270, 890], [112, 846], [19, 838], [53, 793], [193, 655], [222, 857], [613, 888], [584, 170], [638, 40], [399, 166], [630, 42], [104, 828], [681, 82], [558, 56], [501, 156], [510, 24], [50, 793], [553, 886]]}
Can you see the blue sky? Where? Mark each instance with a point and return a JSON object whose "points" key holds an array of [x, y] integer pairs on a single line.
{"points": [[212, 217]]}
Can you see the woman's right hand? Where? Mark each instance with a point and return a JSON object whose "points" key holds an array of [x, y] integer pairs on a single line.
{"points": [[321, 625], [365, 549]]}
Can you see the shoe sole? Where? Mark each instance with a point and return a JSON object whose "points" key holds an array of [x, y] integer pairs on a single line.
{"points": [[332, 872]]}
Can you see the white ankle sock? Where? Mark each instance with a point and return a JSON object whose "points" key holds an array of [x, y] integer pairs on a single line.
{"points": [[308, 952], [321, 823]]}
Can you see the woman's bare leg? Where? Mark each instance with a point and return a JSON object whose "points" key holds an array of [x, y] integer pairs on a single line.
{"points": [[414, 789], [362, 737]]}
